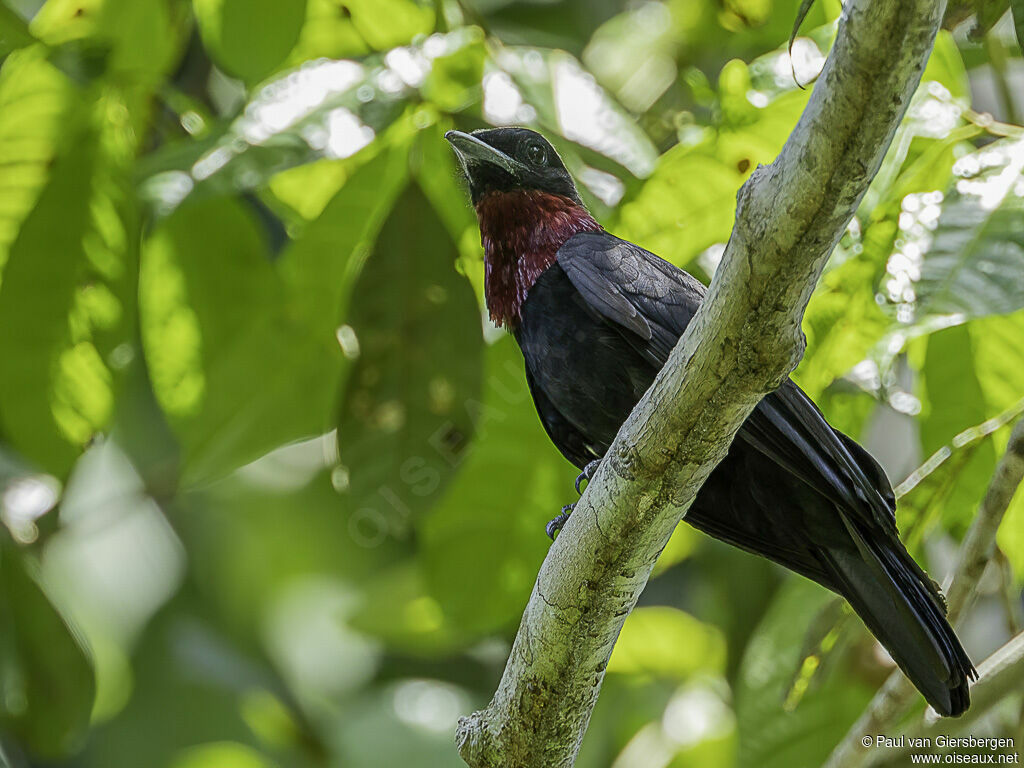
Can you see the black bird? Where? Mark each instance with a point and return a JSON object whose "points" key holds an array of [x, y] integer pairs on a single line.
{"points": [[596, 317]]}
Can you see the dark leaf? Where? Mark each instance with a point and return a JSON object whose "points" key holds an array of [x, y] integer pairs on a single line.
{"points": [[245, 49], [45, 674], [415, 327], [1017, 9]]}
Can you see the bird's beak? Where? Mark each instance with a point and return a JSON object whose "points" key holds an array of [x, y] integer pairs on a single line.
{"points": [[473, 151]]}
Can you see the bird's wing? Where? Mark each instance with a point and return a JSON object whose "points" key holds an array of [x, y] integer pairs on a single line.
{"points": [[632, 288], [651, 301]]}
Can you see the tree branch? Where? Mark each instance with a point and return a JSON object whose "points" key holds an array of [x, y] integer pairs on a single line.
{"points": [[1000, 675], [895, 697], [742, 344]]}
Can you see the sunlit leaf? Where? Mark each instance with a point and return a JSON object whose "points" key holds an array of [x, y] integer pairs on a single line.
{"points": [[976, 369], [62, 289], [1010, 536], [44, 672], [678, 218], [953, 401], [566, 99], [968, 247], [321, 109], [223, 357], [140, 38], [399, 610], [667, 642], [842, 323], [36, 102], [244, 353], [219, 754]]}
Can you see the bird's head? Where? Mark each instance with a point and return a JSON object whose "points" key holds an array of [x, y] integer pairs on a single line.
{"points": [[509, 160], [527, 205]]}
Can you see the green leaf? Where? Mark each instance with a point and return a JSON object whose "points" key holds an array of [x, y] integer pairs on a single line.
{"points": [[667, 642], [221, 352], [14, 32], [244, 352], [842, 323], [325, 109], [1017, 9], [36, 105], [484, 540], [567, 100], [398, 609], [677, 218], [953, 401], [415, 327], [770, 736], [326, 256], [219, 754], [241, 45], [973, 386], [45, 674], [55, 390], [385, 24], [140, 39], [1010, 536]]}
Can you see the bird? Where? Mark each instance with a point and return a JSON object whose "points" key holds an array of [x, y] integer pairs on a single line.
{"points": [[596, 317]]}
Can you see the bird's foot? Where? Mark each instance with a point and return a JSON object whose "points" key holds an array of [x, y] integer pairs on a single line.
{"points": [[587, 474], [555, 525]]}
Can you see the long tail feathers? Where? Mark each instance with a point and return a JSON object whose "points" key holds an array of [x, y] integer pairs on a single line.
{"points": [[903, 609]]}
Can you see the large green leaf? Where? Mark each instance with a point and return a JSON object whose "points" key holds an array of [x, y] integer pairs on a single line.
{"points": [[44, 673], [415, 326], [484, 540], [36, 102], [245, 49], [954, 401], [972, 386], [772, 733], [663, 641], [689, 203], [56, 296], [244, 352], [138, 38]]}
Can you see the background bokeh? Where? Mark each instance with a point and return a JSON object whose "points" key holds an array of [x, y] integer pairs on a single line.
{"points": [[273, 490]]}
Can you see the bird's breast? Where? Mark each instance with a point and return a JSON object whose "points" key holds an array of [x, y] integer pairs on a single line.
{"points": [[583, 366]]}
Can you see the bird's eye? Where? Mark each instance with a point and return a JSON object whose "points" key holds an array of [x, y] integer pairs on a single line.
{"points": [[536, 154]]}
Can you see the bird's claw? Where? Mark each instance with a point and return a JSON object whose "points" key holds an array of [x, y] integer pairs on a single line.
{"points": [[555, 525], [587, 474]]}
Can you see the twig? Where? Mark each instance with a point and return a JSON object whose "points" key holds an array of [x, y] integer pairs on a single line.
{"points": [[894, 698], [999, 675], [742, 344]]}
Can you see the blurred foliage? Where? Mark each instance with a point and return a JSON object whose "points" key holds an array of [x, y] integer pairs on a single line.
{"points": [[273, 489]]}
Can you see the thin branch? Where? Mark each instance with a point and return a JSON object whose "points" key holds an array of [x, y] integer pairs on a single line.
{"points": [[979, 546], [744, 341], [1000, 675], [895, 697]]}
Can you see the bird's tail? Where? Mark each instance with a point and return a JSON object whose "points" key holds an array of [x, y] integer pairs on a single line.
{"points": [[904, 609]]}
